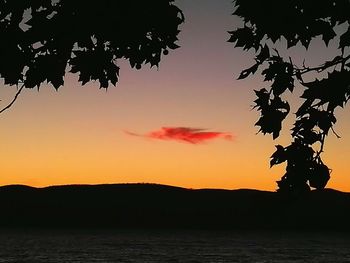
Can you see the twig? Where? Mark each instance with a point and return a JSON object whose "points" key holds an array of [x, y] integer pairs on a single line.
{"points": [[324, 66], [335, 133], [318, 153], [14, 99]]}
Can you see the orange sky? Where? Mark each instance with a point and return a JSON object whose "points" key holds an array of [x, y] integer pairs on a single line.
{"points": [[75, 135]]}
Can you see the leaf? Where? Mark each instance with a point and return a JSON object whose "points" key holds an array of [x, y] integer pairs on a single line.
{"points": [[345, 39], [263, 98], [278, 104], [279, 156], [331, 90], [271, 122], [281, 83], [304, 127], [327, 33], [95, 65], [244, 37], [112, 72], [325, 120], [12, 63], [245, 73], [277, 67], [304, 108], [319, 176], [309, 136], [263, 55], [299, 153], [173, 46]]}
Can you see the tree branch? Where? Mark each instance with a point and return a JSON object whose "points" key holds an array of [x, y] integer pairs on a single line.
{"points": [[13, 100], [323, 67]]}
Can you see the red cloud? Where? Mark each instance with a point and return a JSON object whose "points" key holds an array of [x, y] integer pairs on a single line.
{"points": [[184, 134]]}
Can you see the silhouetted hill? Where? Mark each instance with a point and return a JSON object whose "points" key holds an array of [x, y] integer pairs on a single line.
{"points": [[160, 206]]}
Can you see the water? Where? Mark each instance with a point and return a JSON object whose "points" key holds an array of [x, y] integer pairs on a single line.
{"points": [[170, 246]]}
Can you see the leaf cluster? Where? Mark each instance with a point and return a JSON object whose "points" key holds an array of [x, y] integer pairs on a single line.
{"points": [[303, 168], [298, 22], [273, 112], [41, 40], [295, 20]]}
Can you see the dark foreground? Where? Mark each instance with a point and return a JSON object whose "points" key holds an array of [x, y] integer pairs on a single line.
{"points": [[146, 206]]}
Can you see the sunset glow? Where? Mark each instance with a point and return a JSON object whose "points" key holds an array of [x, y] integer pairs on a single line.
{"points": [[131, 133]]}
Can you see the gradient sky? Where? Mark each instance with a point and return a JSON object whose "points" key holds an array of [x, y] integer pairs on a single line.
{"points": [[77, 135]]}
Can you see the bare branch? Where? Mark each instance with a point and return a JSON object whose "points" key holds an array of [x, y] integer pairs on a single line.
{"points": [[13, 100], [341, 60], [337, 135]]}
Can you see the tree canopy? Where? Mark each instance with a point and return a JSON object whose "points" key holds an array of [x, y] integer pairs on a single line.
{"points": [[297, 22], [41, 40]]}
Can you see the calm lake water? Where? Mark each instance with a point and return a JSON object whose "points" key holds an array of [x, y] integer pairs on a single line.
{"points": [[170, 246]]}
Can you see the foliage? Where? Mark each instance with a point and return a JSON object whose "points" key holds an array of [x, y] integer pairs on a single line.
{"points": [[297, 22], [41, 39]]}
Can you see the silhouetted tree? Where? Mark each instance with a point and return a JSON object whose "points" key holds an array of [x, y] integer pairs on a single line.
{"points": [[325, 87], [41, 40]]}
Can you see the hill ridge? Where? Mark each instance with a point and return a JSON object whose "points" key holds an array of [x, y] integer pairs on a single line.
{"points": [[145, 205], [149, 185]]}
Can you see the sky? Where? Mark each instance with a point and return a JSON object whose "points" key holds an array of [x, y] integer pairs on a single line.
{"points": [[85, 135]]}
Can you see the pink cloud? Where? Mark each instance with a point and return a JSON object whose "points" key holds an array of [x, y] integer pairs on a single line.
{"points": [[185, 134]]}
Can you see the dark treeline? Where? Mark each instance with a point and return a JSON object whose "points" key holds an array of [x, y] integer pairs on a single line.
{"points": [[158, 206]]}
